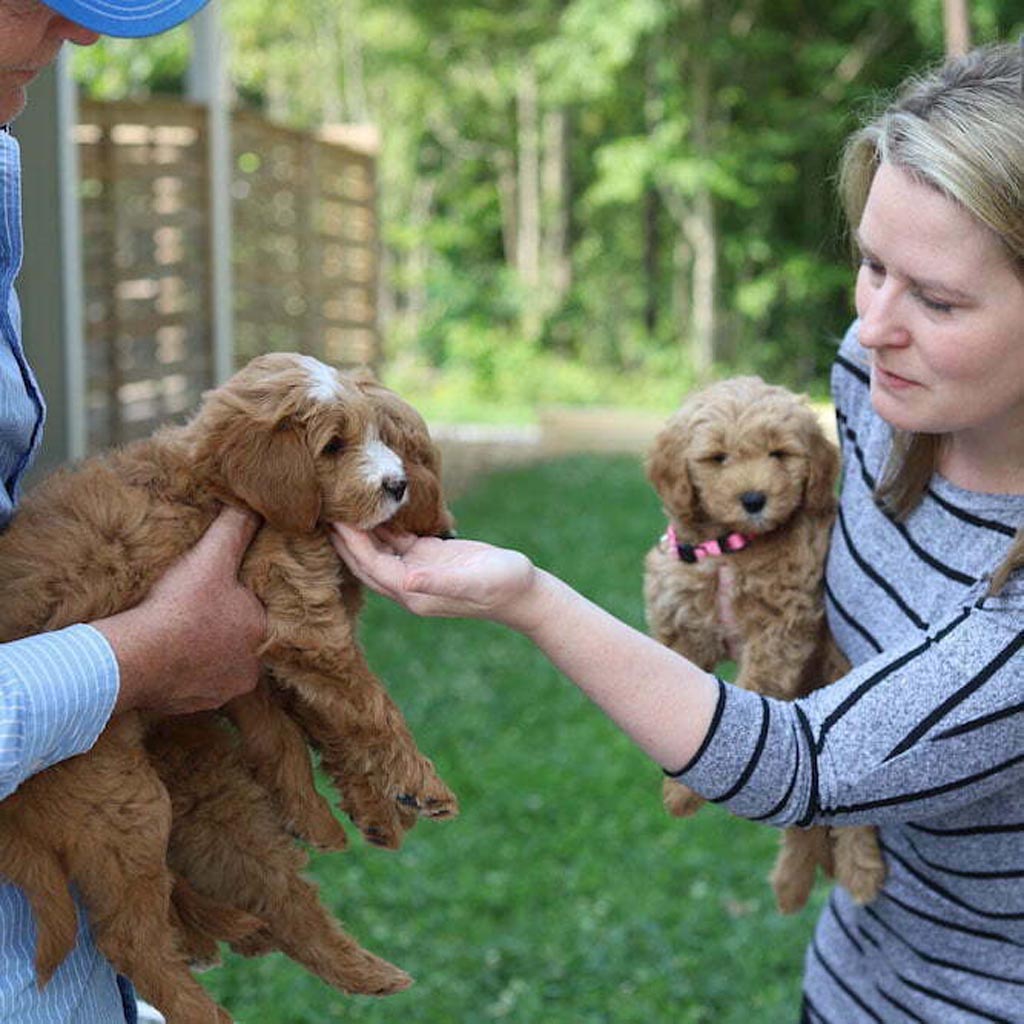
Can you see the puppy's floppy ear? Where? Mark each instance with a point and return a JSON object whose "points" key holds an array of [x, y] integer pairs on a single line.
{"points": [[271, 469], [668, 471], [822, 473]]}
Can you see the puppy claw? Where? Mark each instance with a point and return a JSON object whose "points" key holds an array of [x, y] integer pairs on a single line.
{"points": [[385, 980], [431, 807], [442, 813], [385, 839]]}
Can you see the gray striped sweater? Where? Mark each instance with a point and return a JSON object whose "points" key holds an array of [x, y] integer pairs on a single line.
{"points": [[924, 738]]}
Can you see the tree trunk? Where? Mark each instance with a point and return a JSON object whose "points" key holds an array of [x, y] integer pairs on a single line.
{"points": [[555, 210], [421, 210], [958, 27], [700, 223], [506, 172], [651, 254], [702, 235], [528, 200], [323, 73]]}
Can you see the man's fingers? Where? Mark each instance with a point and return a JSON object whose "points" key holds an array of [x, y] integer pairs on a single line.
{"points": [[231, 533]]}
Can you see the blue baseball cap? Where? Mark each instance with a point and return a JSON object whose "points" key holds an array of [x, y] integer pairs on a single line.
{"points": [[128, 18]]}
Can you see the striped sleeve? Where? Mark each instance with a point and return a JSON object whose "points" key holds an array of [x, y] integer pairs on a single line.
{"points": [[57, 691], [929, 726]]}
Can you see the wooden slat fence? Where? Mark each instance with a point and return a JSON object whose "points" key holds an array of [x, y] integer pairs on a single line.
{"points": [[304, 244]]}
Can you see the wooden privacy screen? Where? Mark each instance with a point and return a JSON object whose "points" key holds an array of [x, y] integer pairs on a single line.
{"points": [[304, 252]]}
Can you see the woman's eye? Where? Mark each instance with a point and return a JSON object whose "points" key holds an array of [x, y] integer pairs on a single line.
{"points": [[334, 446], [935, 305], [873, 267]]}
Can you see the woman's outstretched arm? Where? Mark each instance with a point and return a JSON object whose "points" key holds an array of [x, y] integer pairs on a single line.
{"points": [[658, 698]]}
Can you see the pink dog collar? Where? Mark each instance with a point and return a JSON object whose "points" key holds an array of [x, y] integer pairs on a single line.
{"points": [[724, 545]]}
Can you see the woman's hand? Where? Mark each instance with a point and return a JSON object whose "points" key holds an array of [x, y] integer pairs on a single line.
{"points": [[662, 701], [447, 578]]}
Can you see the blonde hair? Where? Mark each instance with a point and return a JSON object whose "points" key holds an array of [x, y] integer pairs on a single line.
{"points": [[960, 130]]}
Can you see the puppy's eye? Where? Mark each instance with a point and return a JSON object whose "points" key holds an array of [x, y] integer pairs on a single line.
{"points": [[718, 458], [778, 453], [335, 446]]}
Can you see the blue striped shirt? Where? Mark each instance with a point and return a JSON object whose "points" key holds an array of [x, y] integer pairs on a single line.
{"points": [[56, 690]]}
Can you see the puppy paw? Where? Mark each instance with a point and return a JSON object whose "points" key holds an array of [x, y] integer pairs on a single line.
{"points": [[435, 801], [680, 801], [324, 832], [381, 819], [258, 943], [372, 976], [792, 889], [859, 865], [384, 820], [863, 881]]}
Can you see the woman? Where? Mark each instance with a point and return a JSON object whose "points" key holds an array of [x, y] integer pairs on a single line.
{"points": [[925, 737]]}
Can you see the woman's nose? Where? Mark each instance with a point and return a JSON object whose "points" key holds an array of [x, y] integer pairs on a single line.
{"points": [[879, 308]]}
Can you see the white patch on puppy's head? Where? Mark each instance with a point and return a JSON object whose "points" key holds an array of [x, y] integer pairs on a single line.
{"points": [[324, 385]]}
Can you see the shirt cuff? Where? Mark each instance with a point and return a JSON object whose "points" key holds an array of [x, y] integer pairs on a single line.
{"points": [[57, 692]]}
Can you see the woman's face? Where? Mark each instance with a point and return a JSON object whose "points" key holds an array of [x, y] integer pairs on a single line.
{"points": [[942, 313], [31, 35]]}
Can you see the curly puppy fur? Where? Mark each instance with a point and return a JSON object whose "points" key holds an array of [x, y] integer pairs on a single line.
{"points": [[302, 445], [744, 456]]}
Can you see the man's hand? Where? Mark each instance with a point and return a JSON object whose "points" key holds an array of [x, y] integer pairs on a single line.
{"points": [[191, 644]]}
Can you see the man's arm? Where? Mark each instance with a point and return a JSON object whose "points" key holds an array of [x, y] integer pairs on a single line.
{"points": [[189, 646], [57, 691]]}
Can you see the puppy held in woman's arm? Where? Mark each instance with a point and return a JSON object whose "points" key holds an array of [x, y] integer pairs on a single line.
{"points": [[747, 479]]}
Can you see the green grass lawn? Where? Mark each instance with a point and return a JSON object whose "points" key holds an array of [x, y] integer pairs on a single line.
{"points": [[562, 893]]}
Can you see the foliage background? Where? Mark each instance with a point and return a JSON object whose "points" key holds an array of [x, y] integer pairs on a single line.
{"points": [[586, 200]]}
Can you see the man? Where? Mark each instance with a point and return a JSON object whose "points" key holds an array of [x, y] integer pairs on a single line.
{"points": [[190, 645]]}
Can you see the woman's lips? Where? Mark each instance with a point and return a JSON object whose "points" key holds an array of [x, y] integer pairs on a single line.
{"points": [[893, 381]]}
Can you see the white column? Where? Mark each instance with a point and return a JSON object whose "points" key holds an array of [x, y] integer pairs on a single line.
{"points": [[208, 84]]}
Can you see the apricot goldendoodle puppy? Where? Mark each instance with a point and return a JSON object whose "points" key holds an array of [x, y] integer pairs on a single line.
{"points": [[302, 445], [747, 479]]}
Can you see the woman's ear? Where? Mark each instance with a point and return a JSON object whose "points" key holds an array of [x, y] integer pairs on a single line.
{"points": [[271, 470]]}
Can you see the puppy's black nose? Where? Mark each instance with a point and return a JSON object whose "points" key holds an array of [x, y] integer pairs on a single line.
{"points": [[753, 501], [394, 487]]}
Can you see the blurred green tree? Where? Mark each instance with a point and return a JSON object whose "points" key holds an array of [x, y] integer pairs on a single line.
{"points": [[643, 186]]}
